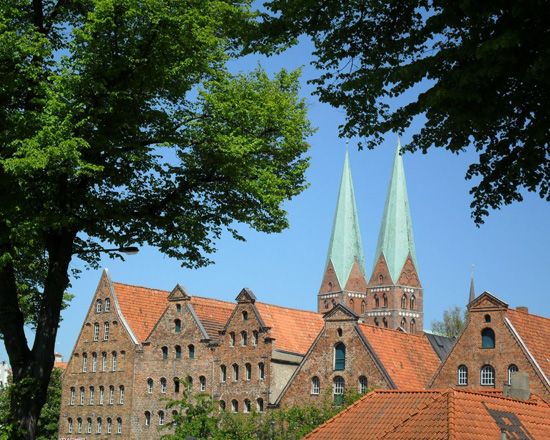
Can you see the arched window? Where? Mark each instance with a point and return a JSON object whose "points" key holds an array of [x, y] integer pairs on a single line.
{"points": [[260, 404], [178, 308], [351, 303], [101, 394], [223, 373], [404, 301], [106, 331], [189, 381], [376, 301], [107, 307], [363, 306], [261, 371], [70, 425], [104, 361], [89, 425], [339, 356], [325, 303], [380, 279], [412, 302], [79, 426], [96, 332], [163, 385], [98, 426], [385, 322], [177, 325], [114, 361], [235, 372], [94, 362], [98, 306], [376, 323], [404, 323], [147, 418], [254, 338], [73, 396], [111, 394], [222, 405], [338, 390], [487, 375], [109, 425], [339, 332], [119, 425], [487, 318], [248, 371], [92, 396], [315, 385], [84, 362], [191, 349], [202, 383], [161, 417], [246, 407], [121, 395], [245, 315], [363, 384], [512, 368], [164, 352], [149, 386], [487, 338], [462, 378], [244, 338], [234, 406], [231, 339], [413, 326], [385, 299], [82, 395], [176, 385]]}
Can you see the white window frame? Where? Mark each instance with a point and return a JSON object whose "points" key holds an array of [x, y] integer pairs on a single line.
{"points": [[462, 375], [92, 396], [84, 362], [202, 383], [82, 395], [107, 307], [104, 361], [161, 418], [119, 426], [73, 396], [363, 384], [98, 306], [111, 395], [96, 332], [89, 426], [94, 362], [163, 385], [106, 330], [487, 375], [98, 425], [70, 425], [79, 426], [109, 425], [261, 371], [114, 361], [121, 395], [150, 384], [315, 386], [101, 394], [512, 368]]}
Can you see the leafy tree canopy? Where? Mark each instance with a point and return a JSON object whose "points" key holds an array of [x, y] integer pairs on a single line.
{"points": [[476, 73], [453, 321], [120, 124]]}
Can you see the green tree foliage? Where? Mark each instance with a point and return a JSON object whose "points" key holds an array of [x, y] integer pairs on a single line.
{"points": [[451, 325], [120, 124], [476, 74], [197, 418]]}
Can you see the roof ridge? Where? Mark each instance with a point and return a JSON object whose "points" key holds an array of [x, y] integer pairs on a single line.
{"points": [[391, 330], [515, 310], [493, 394], [141, 287], [289, 308]]}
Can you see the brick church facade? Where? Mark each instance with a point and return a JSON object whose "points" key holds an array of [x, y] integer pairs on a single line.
{"points": [[140, 346]]}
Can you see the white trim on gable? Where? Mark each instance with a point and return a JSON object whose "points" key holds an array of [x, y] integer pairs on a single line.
{"points": [[119, 310]]}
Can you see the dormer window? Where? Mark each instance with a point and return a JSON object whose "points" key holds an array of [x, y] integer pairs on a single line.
{"points": [[487, 338]]}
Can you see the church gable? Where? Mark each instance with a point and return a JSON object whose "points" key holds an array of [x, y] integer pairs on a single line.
{"points": [[330, 280], [179, 293], [340, 313], [356, 280], [409, 276], [380, 274], [486, 301]]}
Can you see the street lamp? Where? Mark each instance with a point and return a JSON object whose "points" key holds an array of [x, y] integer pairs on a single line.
{"points": [[128, 250]]}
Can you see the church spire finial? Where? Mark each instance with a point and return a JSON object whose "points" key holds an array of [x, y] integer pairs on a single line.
{"points": [[345, 246], [396, 241]]}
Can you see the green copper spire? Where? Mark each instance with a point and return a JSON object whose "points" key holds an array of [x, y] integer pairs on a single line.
{"points": [[345, 242], [396, 240]]}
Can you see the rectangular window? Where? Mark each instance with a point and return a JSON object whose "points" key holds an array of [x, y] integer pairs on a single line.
{"points": [[106, 332], [89, 429], [121, 400], [261, 371], [84, 363], [92, 396], [111, 395], [96, 332], [73, 396], [119, 426], [101, 392], [103, 361], [94, 362], [82, 395], [114, 361]]}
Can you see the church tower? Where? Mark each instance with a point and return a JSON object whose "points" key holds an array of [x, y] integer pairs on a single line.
{"points": [[344, 280], [394, 293]]}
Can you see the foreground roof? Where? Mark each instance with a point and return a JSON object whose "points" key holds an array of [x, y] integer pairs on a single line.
{"points": [[438, 414], [409, 359]]}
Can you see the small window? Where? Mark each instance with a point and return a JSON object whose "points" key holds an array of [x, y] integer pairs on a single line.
{"points": [[111, 395], [177, 351], [245, 315], [487, 375], [119, 425], [260, 405], [101, 394], [107, 307], [412, 326], [98, 306], [202, 383], [325, 303], [376, 301], [109, 425], [82, 395], [223, 373], [164, 352], [178, 308], [84, 362], [106, 331], [149, 386], [189, 381], [254, 338], [161, 418], [92, 396], [121, 395], [385, 298], [176, 385], [412, 302], [98, 426], [114, 361], [222, 405], [487, 318], [247, 406], [385, 322], [363, 306], [104, 361], [487, 338], [94, 362], [261, 371], [147, 418], [248, 371], [73, 396], [462, 375], [235, 372], [338, 390], [163, 385], [234, 406], [231, 339], [363, 384], [96, 332], [512, 368], [404, 302], [404, 323], [70, 425], [315, 385], [244, 338], [191, 349], [376, 322], [351, 304], [339, 356], [89, 425], [339, 332], [79, 426], [177, 325]]}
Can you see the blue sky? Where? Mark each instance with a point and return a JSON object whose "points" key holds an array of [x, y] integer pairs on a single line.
{"points": [[510, 251]]}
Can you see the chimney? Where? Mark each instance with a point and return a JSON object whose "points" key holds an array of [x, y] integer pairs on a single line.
{"points": [[522, 309], [519, 386]]}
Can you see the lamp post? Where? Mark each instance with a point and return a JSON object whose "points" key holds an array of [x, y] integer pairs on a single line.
{"points": [[128, 250]]}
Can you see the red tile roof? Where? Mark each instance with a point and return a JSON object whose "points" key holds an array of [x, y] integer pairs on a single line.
{"points": [[141, 307], [535, 332], [293, 330], [409, 359], [437, 414], [213, 313]]}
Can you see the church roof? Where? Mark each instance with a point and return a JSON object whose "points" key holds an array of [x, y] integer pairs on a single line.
{"points": [[345, 242], [396, 239], [441, 414]]}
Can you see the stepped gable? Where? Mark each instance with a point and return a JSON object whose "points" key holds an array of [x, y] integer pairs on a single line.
{"points": [[141, 307], [449, 414], [213, 314], [409, 359], [293, 330], [535, 332]]}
